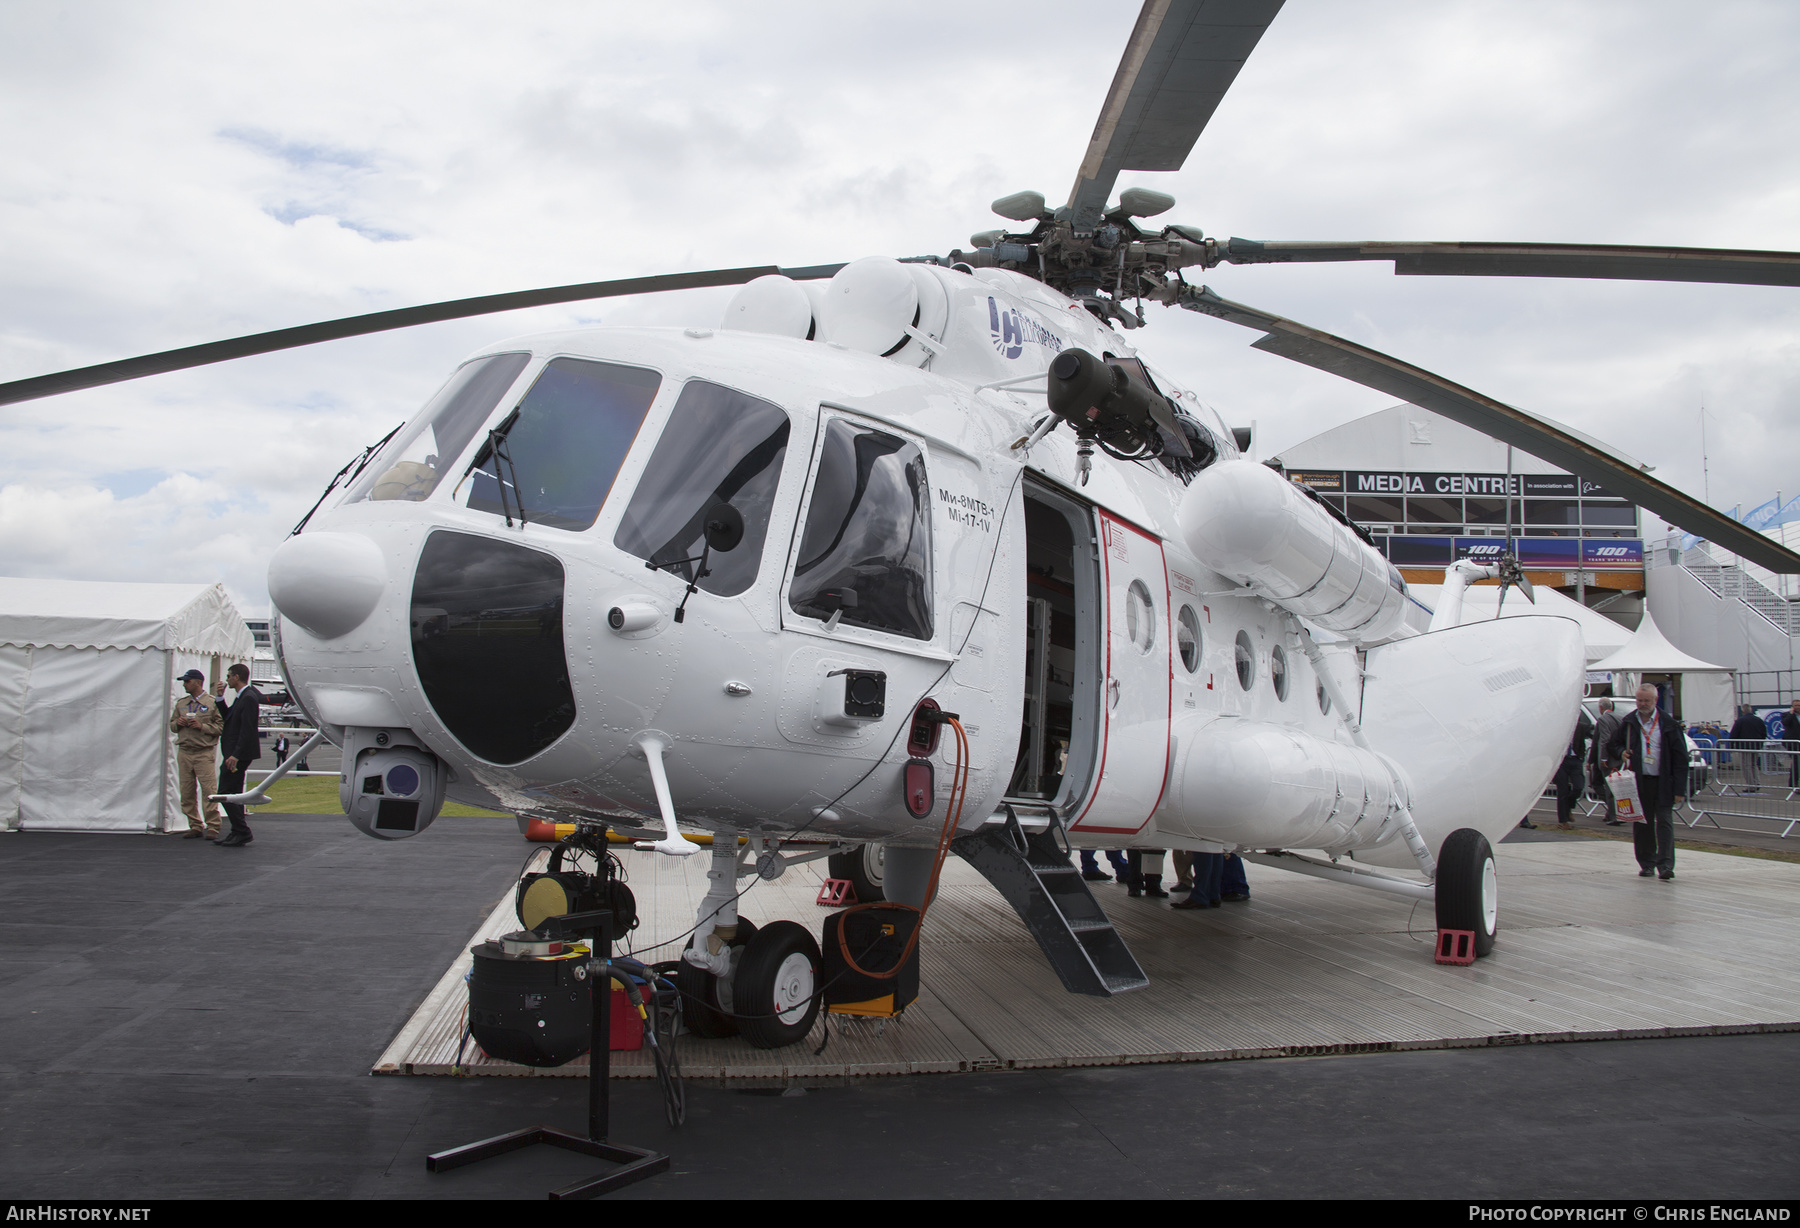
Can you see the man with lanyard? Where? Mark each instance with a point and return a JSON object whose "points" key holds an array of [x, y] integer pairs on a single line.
{"points": [[1655, 749]]}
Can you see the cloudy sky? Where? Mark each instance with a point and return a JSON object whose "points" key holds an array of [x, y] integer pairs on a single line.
{"points": [[176, 172]]}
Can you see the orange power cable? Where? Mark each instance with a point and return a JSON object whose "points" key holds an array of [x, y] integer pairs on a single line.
{"points": [[953, 808]]}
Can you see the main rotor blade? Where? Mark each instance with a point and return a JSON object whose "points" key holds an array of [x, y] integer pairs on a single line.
{"points": [[1706, 264], [1182, 57], [376, 322], [1547, 440]]}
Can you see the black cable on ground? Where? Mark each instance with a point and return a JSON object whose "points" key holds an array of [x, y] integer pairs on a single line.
{"points": [[660, 1038]]}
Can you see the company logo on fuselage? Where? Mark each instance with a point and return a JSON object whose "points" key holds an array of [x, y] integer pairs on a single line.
{"points": [[1012, 331]]}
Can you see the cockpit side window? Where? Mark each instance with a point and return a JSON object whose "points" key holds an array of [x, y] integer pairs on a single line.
{"points": [[720, 446], [553, 459], [412, 465], [865, 554]]}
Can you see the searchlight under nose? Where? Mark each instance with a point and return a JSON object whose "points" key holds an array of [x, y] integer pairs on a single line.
{"points": [[327, 583]]}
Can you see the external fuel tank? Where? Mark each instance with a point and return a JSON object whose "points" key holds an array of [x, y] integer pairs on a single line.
{"points": [[1275, 786], [1249, 523]]}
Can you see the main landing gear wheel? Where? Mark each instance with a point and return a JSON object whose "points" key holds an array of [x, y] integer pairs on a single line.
{"points": [[864, 867], [707, 1001], [1468, 890], [776, 989]]}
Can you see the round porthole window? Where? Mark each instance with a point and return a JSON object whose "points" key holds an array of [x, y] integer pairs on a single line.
{"points": [[1278, 672], [1187, 638], [1246, 660], [1140, 617]]}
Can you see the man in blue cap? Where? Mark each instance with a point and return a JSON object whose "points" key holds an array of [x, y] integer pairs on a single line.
{"points": [[196, 724]]}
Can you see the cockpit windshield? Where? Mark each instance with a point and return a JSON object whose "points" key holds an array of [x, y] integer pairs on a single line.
{"points": [[412, 465], [553, 460]]}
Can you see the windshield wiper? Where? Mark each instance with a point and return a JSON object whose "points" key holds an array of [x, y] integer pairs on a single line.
{"points": [[353, 468], [495, 449]]}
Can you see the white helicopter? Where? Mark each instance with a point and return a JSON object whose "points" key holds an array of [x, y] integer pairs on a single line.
{"points": [[731, 579]]}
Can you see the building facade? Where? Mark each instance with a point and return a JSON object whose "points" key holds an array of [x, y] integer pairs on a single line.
{"points": [[1430, 491]]}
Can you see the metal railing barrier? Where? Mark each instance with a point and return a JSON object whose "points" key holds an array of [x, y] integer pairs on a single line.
{"points": [[1761, 783]]}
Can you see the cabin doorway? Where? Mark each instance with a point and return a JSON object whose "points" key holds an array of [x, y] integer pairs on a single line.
{"points": [[1060, 730]]}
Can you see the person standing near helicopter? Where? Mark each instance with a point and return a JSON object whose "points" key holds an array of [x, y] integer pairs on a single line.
{"points": [[196, 724], [1601, 761], [1655, 749], [241, 745], [1568, 776]]}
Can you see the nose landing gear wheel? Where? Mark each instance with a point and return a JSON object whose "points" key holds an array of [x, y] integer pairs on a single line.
{"points": [[1468, 889], [707, 1001], [776, 986], [865, 868]]}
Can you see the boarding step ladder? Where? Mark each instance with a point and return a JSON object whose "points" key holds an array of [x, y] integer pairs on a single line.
{"points": [[1035, 874]]}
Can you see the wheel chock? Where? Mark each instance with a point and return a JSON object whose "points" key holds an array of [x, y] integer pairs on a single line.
{"points": [[1455, 947], [836, 893]]}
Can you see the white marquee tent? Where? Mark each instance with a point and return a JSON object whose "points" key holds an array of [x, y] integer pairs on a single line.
{"points": [[87, 680], [1706, 689]]}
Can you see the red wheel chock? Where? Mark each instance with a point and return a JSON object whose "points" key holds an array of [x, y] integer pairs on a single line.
{"points": [[836, 893], [1456, 947]]}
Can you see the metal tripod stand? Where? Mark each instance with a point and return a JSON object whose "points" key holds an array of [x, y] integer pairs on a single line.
{"points": [[637, 1163]]}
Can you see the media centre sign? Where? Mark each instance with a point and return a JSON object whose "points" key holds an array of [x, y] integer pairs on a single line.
{"points": [[1390, 482]]}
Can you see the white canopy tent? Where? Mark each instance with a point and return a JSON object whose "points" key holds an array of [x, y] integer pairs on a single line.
{"points": [[87, 680], [1706, 689]]}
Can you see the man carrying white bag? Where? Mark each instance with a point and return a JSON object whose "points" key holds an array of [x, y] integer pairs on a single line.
{"points": [[1654, 779]]}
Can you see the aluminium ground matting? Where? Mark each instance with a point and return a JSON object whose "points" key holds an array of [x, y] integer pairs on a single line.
{"points": [[1587, 951]]}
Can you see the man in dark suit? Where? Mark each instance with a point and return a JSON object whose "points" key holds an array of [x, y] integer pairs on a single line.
{"points": [[241, 745], [1654, 747], [1569, 776], [1747, 738], [1601, 762]]}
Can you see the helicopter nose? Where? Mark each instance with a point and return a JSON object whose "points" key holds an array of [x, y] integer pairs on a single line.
{"points": [[327, 583]]}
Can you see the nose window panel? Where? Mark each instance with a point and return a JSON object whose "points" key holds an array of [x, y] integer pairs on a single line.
{"points": [[487, 640], [720, 446], [412, 465], [866, 552], [564, 448]]}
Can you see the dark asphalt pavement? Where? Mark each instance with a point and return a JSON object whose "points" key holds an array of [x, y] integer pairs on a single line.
{"points": [[184, 1021]]}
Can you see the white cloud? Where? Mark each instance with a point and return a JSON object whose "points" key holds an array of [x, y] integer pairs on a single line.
{"points": [[192, 170]]}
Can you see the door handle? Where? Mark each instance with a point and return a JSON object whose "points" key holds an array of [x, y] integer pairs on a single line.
{"points": [[1112, 694]]}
